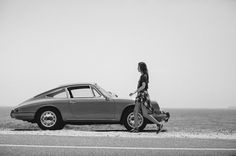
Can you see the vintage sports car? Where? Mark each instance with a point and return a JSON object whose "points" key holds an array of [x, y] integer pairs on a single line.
{"points": [[84, 103]]}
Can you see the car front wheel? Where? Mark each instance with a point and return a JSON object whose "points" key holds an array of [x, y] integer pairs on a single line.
{"points": [[128, 120], [49, 119]]}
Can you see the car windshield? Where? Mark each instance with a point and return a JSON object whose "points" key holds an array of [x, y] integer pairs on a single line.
{"points": [[103, 91]]}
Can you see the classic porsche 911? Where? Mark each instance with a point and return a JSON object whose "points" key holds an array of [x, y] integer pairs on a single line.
{"points": [[85, 103]]}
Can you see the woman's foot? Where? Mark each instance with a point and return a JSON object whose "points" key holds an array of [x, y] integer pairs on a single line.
{"points": [[159, 127], [134, 130]]}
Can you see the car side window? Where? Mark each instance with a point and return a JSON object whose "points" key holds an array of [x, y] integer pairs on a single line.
{"points": [[58, 94], [81, 92], [96, 94]]}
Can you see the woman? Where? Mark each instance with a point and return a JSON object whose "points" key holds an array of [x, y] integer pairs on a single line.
{"points": [[142, 100]]}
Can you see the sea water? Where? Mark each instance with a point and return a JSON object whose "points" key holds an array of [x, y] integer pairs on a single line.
{"points": [[202, 120]]}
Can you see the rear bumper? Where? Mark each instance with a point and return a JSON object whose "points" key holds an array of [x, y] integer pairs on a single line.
{"points": [[26, 116]]}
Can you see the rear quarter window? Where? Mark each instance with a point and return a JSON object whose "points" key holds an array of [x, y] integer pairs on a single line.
{"points": [[61, 93]]}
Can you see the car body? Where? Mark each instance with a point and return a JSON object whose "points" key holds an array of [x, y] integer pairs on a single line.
{"points": [[82, 103]]}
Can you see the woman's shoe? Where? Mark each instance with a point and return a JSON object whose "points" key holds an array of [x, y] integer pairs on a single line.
{"points": [[159, 127], [167, 116]]}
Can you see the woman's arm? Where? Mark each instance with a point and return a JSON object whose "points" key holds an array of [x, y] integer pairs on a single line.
{"points": [[139, 89]]}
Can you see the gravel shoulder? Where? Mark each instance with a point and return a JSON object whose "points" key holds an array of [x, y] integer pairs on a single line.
{"points": [[118, 133]]}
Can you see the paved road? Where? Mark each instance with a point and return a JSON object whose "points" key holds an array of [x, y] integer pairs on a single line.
{"points": [[33, 145]]}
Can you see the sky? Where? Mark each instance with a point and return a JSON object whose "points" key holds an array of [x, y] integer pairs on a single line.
{"points": [[189, 48]]}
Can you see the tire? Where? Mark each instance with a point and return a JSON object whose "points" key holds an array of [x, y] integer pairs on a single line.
{"points": [[128, 120], [49, 119]]}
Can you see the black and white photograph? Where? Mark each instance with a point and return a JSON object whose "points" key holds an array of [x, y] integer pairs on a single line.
{"points": [[118, 77]]}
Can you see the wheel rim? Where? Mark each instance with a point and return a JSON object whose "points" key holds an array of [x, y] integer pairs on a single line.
{"points": [[48, 119], [130, 120]]}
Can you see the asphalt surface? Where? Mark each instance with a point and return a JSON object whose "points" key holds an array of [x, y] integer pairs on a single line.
{"points": [[34, 145]]}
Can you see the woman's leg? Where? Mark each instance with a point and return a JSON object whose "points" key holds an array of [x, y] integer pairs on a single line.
{"points": [[148, 116], [136, 111]]}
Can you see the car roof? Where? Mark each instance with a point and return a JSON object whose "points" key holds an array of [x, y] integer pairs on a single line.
{"points": [[63, 86], [76, 84]]}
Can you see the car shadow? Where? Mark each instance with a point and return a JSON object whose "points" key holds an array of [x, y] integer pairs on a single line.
{"points": [[110, 130], [163, 130], [146, 131], [103, 130]]}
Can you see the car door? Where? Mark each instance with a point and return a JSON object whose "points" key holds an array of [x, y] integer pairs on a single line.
{"points": [[88, 104]]}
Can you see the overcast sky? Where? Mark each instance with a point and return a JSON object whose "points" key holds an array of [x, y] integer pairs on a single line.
{"points": [[188, 46]]}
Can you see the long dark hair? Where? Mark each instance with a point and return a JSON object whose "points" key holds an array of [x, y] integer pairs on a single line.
{"points": [[143, 68]]}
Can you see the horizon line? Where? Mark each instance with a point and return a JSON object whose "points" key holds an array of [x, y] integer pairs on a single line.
{"points": [[230, 107]]}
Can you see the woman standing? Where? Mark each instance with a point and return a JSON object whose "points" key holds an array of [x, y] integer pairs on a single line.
{"points": [[142, 100]]}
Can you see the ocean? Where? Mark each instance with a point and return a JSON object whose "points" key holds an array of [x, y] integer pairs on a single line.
{"points": [[196, 121], [203, 120]]}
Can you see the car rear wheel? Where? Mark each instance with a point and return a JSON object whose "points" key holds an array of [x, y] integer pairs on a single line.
{"points": [[49, 119], [128, 120]]}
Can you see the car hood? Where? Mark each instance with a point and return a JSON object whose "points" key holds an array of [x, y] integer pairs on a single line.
{"points": [[132, 101], [123, 100]]}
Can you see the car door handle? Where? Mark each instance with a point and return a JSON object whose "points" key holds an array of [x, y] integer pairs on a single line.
{"points": [[72, 102]]}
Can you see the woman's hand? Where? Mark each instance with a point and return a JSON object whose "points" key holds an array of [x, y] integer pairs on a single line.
{"points": [[131, 94], [139, 89]]}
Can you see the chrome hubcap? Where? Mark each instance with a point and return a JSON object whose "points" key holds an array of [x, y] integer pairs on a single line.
{"points": [[130, 120], [48, 119]]}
